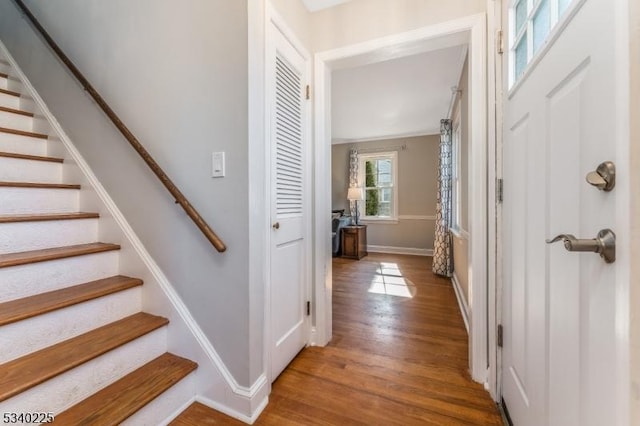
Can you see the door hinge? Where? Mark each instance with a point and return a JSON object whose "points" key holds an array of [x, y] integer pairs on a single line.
{"points": [[499, 190], [307, 92], [308, 308], [499, 336], [500, 42]]}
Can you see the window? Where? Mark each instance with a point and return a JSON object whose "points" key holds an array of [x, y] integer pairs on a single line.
{"points": [[378, 177], [456, 165], [531, 23]]}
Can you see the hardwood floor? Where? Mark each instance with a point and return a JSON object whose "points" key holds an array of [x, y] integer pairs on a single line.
{"points": [[399, 356]]}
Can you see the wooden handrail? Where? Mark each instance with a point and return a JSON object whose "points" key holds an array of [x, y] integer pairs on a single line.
{"points": [[179, 197]]}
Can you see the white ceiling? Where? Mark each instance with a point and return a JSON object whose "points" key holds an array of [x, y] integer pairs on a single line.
{"points": [[315, 5], [407, 96]]}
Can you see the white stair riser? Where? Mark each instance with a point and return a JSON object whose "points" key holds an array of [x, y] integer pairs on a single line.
{"points": [[25, 236], [22, 144], [166, 406], [20, 170], [38, 200], [32, 334], [3, 81], [26, 280], [9, 101], [13, 121], [67, 389]]}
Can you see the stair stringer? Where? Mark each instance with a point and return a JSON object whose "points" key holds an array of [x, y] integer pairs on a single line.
{"points": [[214, 384]]}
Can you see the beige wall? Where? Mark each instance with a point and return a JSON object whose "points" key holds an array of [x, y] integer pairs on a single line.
{"points": [[463, 104], [360, 20], [417, 174], [297, 17], [461, 263], [340, 176]]}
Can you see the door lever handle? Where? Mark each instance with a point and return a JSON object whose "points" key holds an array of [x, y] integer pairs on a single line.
{"points": [[604, 244]]}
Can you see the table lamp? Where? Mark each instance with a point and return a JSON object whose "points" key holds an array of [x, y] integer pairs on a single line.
{"points": [[356, 194]]}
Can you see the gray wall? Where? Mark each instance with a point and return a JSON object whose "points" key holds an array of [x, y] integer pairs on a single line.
{"points": [[417, 185], [176, 73]]}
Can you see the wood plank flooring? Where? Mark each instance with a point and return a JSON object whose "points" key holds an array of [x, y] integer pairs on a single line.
{"points": [[399, 356]]}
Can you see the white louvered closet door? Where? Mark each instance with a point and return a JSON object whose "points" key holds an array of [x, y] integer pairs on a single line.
{"points": [[289, 212]]}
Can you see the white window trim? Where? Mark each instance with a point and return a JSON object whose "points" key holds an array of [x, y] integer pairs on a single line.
{"points": [[380, 220], [456, 167], [394, 184]]}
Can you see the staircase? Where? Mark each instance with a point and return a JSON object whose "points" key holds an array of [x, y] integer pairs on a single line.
{"points": [[73, 338]]}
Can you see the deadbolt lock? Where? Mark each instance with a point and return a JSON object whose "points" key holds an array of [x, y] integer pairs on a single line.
{"points": [[604, 178]]}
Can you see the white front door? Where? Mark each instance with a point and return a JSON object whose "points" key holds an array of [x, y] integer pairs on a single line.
{"points": [[289, 209], [559, 307]]}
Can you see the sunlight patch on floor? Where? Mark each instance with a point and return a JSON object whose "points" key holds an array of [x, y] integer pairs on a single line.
{"points": [[390, 281]]}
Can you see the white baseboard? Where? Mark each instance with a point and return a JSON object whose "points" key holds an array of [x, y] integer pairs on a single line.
{"points": [[177, 412], [400, 250], [460, 233], [231, 413], [462, 303], [238, 401], [313, 336]]}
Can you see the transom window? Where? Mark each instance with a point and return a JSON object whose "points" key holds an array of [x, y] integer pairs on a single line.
{"points": [[530, 24], [378, 177]]}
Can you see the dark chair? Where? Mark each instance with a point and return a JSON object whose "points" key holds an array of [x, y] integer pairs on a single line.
{"points": [[337, 223]]}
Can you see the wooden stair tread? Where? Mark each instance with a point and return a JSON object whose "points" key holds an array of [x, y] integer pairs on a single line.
{"points": [[30, 370], [15, 111], [31, 157], [33, 256], [45, 217], [115, 403], [9, 92], [39, 185], [3, 75], [24, 133], [16, 310]]}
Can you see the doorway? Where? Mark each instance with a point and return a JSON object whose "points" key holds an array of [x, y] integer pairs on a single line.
{"points": [[471, 31]]}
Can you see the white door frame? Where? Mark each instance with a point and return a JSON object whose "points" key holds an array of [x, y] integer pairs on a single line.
{"points": [[274, 20], [494, 172], [633, 295], [471, 29]]}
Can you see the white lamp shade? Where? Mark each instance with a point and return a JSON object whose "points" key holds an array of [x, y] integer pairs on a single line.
{"points": [[355, 193]]}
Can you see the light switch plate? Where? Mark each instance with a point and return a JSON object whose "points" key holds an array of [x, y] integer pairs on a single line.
{"points": [[217, 164]]}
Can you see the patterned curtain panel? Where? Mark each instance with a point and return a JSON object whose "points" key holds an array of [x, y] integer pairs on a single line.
{"points": [[353, 177], [442, 258]]}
